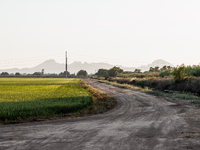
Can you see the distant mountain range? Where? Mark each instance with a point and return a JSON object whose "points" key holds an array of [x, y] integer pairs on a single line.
{"points": [[51, 66]]}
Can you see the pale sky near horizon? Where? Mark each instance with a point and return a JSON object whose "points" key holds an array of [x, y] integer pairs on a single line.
{"points": [[122, 32]]}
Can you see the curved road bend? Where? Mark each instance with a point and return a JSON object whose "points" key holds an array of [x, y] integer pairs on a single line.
{"points": [[139, 122]]}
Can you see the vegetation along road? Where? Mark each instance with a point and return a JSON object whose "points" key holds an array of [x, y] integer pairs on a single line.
{"points": [[139, 122]]}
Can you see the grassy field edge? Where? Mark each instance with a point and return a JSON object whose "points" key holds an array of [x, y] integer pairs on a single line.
{"points": [[101, 103]]}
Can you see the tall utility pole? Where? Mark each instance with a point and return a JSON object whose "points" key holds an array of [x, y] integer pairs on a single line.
{"points": [[42, 71], [66, 63]]}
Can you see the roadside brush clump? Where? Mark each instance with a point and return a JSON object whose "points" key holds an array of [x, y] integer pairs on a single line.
{"points": [[121, 80], [101, 101], [189, 88], [188, 84]]}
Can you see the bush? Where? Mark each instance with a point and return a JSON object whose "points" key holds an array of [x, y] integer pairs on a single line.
{"points": [[195, 71], [114, 71], [189, 84], [165, 73], [82, 73], [179, 73]]}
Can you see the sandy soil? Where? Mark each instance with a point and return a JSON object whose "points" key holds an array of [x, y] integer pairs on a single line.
{"points": [[139, 122]]}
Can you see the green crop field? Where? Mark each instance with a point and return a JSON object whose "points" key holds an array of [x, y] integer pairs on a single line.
{"points": [[24, 98]]}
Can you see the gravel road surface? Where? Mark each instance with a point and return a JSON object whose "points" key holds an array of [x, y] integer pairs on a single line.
{"points": [[139, 122]]}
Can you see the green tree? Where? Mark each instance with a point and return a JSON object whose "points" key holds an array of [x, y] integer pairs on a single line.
{"points": [[164, 68], [64, 73], [82, 73], [17, 74], [102, 73], [114, 71], [137, 70], [157, 69], [169, 68], [37, 73], [4, 73], [165, 73], [179, 73], [72, 75], [151, 69]]}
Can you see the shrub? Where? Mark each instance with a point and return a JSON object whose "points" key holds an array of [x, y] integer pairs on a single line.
{"points": [[82, 73], [195, 71], [114, 71], [179, 73], [165, 73]]}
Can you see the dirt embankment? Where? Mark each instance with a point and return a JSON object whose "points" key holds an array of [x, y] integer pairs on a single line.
{"points": [[139, 121]]}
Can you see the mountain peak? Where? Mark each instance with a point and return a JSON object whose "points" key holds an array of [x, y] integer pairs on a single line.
{"points": [[160, 62], [50, 61], [77, 62]]}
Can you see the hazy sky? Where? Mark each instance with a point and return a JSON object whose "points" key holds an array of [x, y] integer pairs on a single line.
{"points": [[127, 32]]}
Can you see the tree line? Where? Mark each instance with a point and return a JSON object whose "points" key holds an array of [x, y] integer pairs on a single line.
{"points": [[81, 73], [179, 72]]}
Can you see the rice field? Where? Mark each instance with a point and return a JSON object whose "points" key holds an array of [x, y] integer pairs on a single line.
{"points": [[24, 98]]}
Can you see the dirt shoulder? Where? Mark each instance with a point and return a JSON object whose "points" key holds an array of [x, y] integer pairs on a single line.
{"points": [[140, 121]]}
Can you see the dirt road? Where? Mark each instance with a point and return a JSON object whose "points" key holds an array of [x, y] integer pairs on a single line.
{"points": [[139, 122]]}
